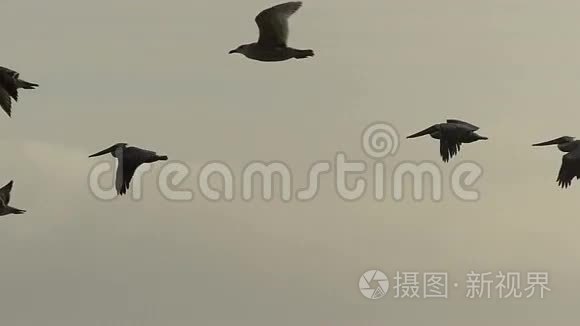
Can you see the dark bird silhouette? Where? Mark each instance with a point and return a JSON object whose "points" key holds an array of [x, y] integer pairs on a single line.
{"points": [[570, 167], [5, 200], [273, 26], [10, 82], [451, 135], [129, 159]]}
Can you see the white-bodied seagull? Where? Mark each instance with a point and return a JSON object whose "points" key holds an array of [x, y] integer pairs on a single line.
{"points": [[129, 159]]}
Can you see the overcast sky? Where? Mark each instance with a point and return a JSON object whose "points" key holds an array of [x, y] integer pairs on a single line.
{"points": [[156, 74]]}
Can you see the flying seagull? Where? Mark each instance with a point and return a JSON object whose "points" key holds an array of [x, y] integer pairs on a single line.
{"points": [[451, 135], [5, 199], [129, 159], [10, 82], [570, 167], [273, 25]]}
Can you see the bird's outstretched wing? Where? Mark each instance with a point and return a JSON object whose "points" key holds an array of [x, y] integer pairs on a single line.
{"points": [[569, 169], [5, 193], [273, 23], [8, 81], [125, 171], [448, 147], [5, 101], [463, 123], [132, 158]]}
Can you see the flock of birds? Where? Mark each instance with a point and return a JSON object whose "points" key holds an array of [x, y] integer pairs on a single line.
{"points": [[272, 47]]}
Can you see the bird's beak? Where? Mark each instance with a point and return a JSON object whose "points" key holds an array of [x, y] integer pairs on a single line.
{"points": [[233, 51], [422, 133], [105, 151], [483, 138], [551, 142]]}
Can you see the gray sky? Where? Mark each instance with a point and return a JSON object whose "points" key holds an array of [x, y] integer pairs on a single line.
{"points": [[157, 75]]}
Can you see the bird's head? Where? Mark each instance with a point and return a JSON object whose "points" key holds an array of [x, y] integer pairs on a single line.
{"points": [[111, 150]]}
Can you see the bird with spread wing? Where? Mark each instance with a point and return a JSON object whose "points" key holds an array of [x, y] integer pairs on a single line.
{"points": [[570, 167], [129, 159], [272, 43], [10, 82], [5, 200], [451, 135]]}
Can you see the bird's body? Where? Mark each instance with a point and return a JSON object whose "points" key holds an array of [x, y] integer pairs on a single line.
{"points": [[451, 135], [258, 52], [5, 200], [273, 26], [570, 167], [129, 159], [10, 82]]}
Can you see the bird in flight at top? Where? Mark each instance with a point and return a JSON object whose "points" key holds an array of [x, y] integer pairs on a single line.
{"points": [[273, 26], [570, 167], [10, 82], [129, 159], [5, 199], [451, 135]]}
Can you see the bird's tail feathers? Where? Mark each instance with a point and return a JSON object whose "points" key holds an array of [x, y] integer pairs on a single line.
{"points": [[301, 54], [13, 210], [26, 85]]}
